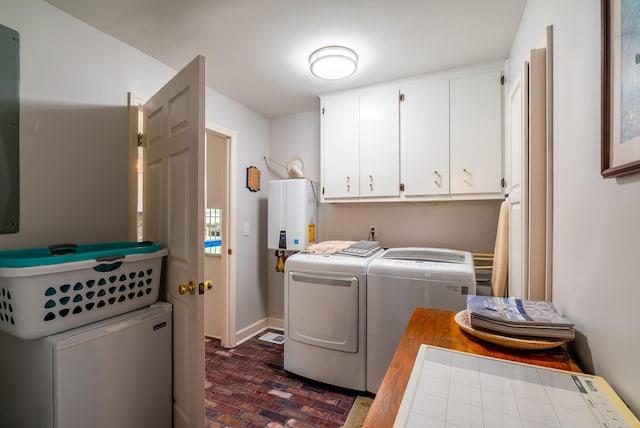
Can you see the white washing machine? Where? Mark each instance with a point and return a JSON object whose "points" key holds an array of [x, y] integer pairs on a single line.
{"points": [[325, 318], [401, 280]]}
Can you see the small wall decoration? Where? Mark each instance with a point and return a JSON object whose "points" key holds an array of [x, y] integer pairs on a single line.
{"points": [[253, 178], [620, 151]]}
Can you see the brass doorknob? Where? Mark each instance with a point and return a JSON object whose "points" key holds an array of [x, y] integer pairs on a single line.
{"points": [[191, 288], [208, 284]]}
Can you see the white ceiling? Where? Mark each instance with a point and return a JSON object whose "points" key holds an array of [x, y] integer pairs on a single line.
{"points": [[257, 51]]}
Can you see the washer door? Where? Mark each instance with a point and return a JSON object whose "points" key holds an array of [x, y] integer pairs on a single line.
{"points": [[323, 310]]}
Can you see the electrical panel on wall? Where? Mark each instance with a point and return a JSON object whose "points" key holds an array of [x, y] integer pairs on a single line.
{"points": [[9, 130]]}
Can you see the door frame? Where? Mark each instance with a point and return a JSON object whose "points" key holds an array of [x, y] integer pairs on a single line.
{"points": [[228, 291], [537, 246]]}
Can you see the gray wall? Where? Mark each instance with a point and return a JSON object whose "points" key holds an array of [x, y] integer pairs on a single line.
{"points": [[73, 126]]}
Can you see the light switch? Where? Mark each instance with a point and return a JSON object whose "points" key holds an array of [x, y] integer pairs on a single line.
{"points": [[246, 229]]}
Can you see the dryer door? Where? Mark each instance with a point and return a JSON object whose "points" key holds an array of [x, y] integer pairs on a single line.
{"points": [[323, 310]]}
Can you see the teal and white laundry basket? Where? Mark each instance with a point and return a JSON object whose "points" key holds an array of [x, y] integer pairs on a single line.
{"points": [[51, 289]]}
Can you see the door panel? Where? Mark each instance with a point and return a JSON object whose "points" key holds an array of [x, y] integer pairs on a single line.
{"points": [[174, 217], [475, 134], [341, 143], [380, 142], [179, 219], [425, 136], [153, 199]]}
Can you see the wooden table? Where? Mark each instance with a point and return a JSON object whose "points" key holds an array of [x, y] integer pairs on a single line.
{"points": [[438, 328]]}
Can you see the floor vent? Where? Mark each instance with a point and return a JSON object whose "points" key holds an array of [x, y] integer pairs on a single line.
{"points": [[272, 337]]}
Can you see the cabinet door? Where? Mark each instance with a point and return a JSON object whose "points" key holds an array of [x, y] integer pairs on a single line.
{"points": [[340, 146], [424, 136], [380, 142], [475, 134]]}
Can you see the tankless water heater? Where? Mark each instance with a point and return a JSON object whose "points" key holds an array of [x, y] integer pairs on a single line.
{"points": [[292, 214]]}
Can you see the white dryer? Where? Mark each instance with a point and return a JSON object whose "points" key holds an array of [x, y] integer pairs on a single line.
{"points": [[325, 318], [401, 280]]}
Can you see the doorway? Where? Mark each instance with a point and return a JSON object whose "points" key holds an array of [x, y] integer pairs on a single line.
{"points": [[220, 301]]}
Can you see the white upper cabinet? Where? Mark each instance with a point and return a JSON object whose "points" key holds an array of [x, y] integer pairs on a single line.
{"points": [[424, 120], [475, 134], [340, 148], [432, 138], [379, 142]]}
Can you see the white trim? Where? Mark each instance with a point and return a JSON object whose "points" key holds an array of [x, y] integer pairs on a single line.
{"points": [[276, 323], [268, 323], [548, 294], [250, 331]]}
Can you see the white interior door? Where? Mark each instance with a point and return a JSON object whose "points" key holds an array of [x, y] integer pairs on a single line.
{"points": [[518, 184], [174, 216]]}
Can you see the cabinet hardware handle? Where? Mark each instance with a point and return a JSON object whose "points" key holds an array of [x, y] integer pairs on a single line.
{"points": [[438, 179], [467, 179]]}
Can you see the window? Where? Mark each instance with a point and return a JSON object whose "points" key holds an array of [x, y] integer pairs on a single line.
{"points": [[212, 238]]}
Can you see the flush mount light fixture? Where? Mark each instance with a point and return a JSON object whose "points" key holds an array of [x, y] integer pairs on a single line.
{"points": [[333, 62]]}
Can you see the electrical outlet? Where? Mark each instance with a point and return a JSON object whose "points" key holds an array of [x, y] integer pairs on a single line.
{"points": [[373, 232]]}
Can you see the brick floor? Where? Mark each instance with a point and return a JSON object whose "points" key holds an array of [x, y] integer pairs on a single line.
{"points": [[246, 387]]}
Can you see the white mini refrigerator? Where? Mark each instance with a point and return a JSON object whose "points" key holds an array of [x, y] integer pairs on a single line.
{"points": [[111, 373]]}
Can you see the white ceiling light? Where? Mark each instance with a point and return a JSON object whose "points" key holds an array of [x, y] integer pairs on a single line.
{"points": [[333, 62]]}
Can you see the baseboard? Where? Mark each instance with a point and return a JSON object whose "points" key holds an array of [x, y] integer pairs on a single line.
{"points": [[257, 327], [276, 323]]}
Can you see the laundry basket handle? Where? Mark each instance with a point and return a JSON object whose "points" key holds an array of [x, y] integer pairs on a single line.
{"points": [[62, 249], [108, 267]]}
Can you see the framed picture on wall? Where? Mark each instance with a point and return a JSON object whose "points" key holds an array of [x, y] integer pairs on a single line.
{"points": [[620, 152]]}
